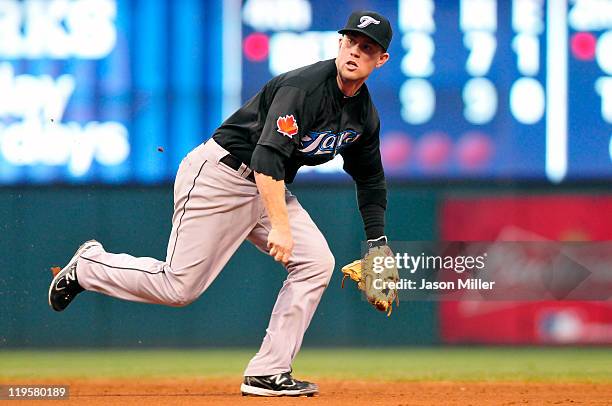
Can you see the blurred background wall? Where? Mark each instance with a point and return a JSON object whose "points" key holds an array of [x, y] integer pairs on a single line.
{"points": [[495, 116]]}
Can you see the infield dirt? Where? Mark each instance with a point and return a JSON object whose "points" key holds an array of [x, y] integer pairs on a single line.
{"points": [[154, 391]]}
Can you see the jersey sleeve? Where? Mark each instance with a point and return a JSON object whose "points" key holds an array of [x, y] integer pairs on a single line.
{"points": [[269, 162], [362, 159], [363, 162], [284, 121]]}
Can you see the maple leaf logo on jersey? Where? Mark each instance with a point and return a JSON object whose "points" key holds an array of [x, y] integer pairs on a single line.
{"points": [[287, 125]]}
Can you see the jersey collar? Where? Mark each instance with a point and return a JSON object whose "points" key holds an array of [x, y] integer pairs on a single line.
{"points": [[339, 96]]}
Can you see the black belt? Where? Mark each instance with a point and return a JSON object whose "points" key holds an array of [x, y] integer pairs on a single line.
{"points": [[235, 163]]}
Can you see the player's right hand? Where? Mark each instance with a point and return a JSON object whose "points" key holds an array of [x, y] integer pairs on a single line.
{"points": [[280, 244]]}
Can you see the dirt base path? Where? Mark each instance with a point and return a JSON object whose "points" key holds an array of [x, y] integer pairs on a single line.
{"points": [[333, 392]]}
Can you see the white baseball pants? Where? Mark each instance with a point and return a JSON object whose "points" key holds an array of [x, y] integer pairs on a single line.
{"points": [[215, 209]]}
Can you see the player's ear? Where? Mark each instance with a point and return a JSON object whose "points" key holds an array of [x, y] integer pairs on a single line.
{"points": [[340, 41], [382, 59]]}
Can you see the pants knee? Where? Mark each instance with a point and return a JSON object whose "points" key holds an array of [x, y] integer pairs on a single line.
{"points": [[324, 266], [179, 302], [182, 298], [328, 263]]}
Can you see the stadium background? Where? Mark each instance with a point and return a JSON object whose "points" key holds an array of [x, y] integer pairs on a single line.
{"points": [[154, 78]]}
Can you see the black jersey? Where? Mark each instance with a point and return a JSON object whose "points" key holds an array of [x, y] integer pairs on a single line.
{"points": [[304, 118]]}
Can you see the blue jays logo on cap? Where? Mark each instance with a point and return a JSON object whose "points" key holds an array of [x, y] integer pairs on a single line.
{"points": [[367, 20]]}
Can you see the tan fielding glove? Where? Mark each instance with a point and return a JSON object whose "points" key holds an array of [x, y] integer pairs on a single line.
{"points": [[362, 272]]}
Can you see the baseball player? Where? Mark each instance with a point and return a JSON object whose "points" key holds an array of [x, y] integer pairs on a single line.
{"points": [[232, 188]]}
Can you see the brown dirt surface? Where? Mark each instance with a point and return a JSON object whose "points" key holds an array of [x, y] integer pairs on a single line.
{"points": [[191, 391]]}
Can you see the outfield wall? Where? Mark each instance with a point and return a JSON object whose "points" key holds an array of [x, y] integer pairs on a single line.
{"points": [[41, 227]]}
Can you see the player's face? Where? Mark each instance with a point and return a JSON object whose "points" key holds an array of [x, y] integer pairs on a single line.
{"points": [[358, 56]]}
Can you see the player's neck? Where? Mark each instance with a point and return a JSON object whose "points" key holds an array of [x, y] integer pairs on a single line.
{"points": [[349, 88]]}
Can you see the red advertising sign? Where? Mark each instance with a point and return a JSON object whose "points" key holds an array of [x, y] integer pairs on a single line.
{"points": [[541, 218]]}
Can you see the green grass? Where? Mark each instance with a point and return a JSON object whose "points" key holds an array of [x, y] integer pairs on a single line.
{"points": [[414, 364]]}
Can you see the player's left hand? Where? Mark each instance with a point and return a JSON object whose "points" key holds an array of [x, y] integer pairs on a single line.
{"points": [[365, 273]]}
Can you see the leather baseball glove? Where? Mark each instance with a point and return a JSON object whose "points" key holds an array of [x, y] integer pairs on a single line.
{"points": [[371, 276]]}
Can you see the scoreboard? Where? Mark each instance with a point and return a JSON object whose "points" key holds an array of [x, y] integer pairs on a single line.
{"points": [[474, 89], [118, 91]]}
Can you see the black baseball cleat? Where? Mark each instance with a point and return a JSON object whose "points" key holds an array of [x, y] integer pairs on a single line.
{"points": [[277, 385], [65, 285]]}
